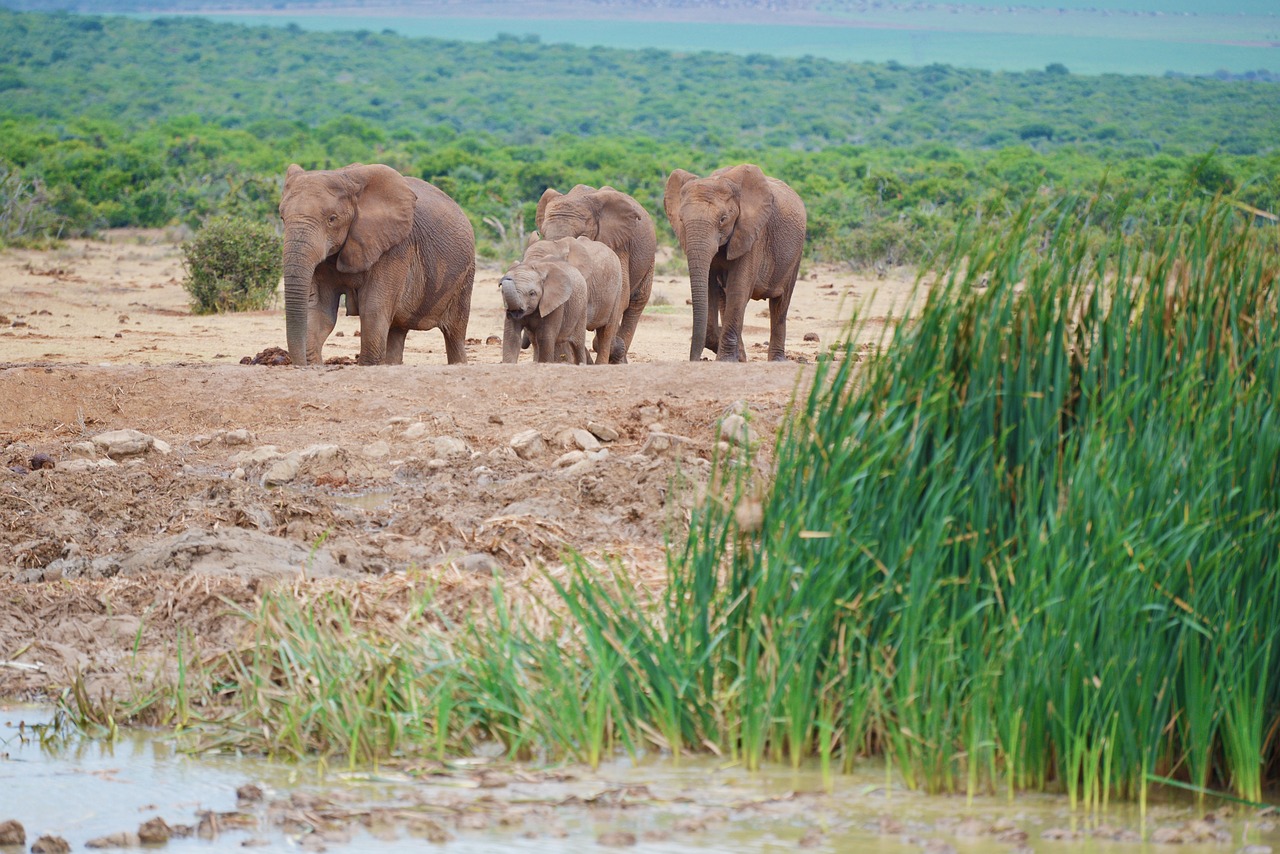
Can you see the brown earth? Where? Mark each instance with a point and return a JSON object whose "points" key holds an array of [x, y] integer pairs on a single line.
{"points": [[258, 472]]}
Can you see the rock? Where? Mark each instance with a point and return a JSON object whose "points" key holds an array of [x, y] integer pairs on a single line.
{"points": [[123, 443], [377, 450], [83, 451], [736, 430], [258, 456], [479, 563], [123, 839], [603, 432], [239, 474], [161, 447], [42, 461], [812, 838], [416, 430], [660, 443], [450, 446], [617, 839], [238, 437], [86, 465], [528, 444], [585, 440], [565, 460], [650, 414], [811, 336], [237, 552], [154, 832], [12, 833], [282, 471], [249, 793], [50, 845]]}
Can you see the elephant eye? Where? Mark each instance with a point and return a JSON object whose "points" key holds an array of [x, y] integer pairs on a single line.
{"points": [[333, 218]]}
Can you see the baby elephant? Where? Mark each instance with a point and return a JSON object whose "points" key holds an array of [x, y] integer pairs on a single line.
{"points": [[560, 289]]}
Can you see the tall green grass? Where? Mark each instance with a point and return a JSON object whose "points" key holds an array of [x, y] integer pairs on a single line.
{"points": [[1034, 544]]}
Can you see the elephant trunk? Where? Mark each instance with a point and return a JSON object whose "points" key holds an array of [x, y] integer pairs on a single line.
{"points": [[301, 257], [511, 295], [700, 247]]}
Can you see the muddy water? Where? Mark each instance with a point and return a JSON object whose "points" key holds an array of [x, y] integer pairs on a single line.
{"points": [[82, 789]]}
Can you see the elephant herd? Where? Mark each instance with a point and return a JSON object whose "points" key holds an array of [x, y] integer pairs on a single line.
{"points": [[403, 254]]}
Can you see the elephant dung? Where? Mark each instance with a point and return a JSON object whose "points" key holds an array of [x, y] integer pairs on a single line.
{"points": [[12, 833], [124, 443], [528, 444]]}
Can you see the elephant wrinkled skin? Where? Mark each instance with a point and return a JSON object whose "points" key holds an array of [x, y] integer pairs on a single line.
{"points": [[743, 234], [558, 291], [400, 250], [618, 221]]}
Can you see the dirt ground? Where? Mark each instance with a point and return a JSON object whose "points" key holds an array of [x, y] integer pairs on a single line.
{"points": [[110, 544]]}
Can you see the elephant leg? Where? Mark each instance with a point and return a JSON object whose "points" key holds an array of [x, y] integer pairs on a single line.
{"points": [[606, 344], [778, 307], [631, 319], [322, 316], [375, 323], [512, 332], [395, 346], [734, 305], [545, 345], [715, 305], [454, 329]]}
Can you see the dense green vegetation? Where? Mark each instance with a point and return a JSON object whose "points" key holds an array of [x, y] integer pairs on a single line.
{"points": [[232, 265], [108, 121], [1035, 545]]}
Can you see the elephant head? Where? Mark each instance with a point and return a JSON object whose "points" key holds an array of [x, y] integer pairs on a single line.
{"points": [[605, 215], [722, 214], [541, 285], [356, 214]]}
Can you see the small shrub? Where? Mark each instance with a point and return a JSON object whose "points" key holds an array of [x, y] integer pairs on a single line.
{"points": [[232, 265]]}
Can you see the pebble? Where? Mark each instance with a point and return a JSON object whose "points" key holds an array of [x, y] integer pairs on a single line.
{"points": [[124, 443], [450, 446], [50, 845], [154, 832], [603, 432], [12, 833], [237, 437], [416, 430], [83, 450], [528, 444]]}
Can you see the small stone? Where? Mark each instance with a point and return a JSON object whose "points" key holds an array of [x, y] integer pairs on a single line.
{"points": [[566, 460], [50, 845], [479, 563], [811, 336], [416, 430], [736, 430], [42, 461], [249, 793], [282, 471], [83, 451], [12, 833], [154, 832], [86, 465], [161, 447], [586, 440], [377, 450], [123, 839], [603, 432], [239, 474], [123, 443], [237, 437], [528, 444], [493, 341], [450, 446], [617, 839]]}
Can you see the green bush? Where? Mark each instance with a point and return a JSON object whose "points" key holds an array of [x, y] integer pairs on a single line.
{"points": [[232, 265]]}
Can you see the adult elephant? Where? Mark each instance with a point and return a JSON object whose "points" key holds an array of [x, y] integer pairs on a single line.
{"points": [[742, 233], [400, 250], [618, 221]]}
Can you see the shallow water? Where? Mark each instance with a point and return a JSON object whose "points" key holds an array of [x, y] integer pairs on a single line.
{"points": [[80, 789]]}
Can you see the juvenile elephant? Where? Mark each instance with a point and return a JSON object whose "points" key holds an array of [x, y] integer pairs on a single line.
{"points": [[619, 222], [742, 233], [557, 291], [399, 249]]}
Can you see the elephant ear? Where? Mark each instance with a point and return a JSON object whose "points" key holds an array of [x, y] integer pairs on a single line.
{"points": [[755, 207], [558, 284], [617, 216], [671, 199], [383, 216], [549, 195]]}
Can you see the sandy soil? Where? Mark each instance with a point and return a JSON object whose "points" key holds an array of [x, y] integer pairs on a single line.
{"points": [[252, 472]]}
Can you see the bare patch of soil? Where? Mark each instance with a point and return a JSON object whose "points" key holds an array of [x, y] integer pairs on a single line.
{"points": [[251, 473]]}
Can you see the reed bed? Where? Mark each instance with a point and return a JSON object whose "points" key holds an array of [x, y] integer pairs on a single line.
{"points": [[1032, 545]]}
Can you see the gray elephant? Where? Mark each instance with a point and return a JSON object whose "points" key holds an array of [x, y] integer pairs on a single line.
{"points": [[558, 291], [400, 250], [619, 222], [742, 233]]}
